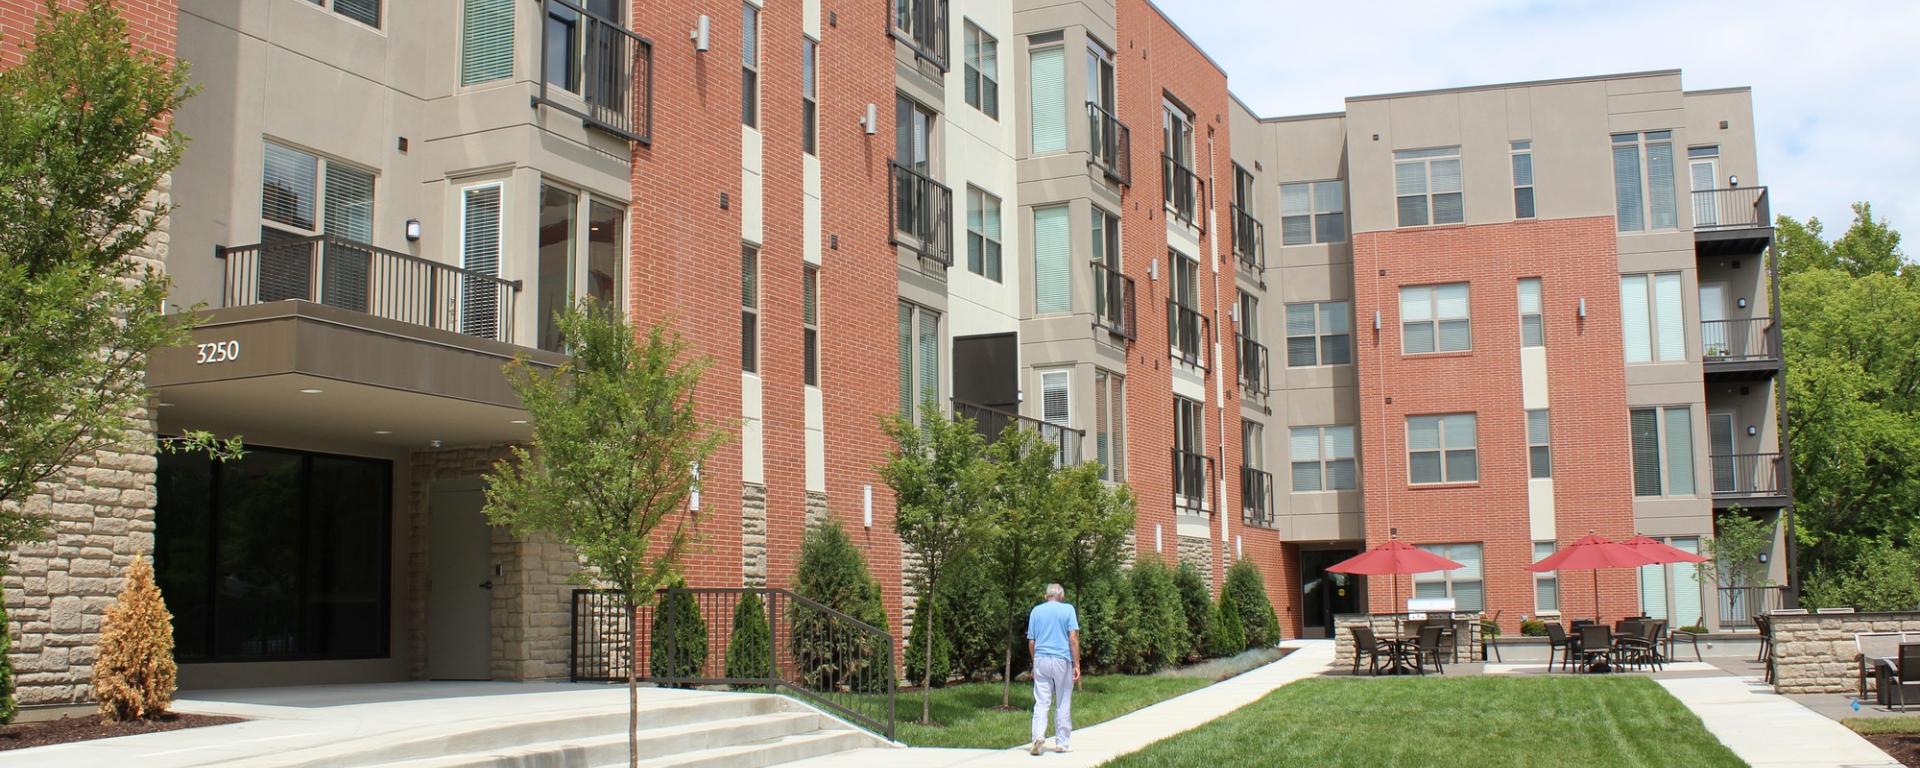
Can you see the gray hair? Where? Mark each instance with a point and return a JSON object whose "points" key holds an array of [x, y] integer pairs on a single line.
{"points": [[1056, 592]]}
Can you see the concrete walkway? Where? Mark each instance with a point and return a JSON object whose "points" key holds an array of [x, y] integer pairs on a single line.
{"points": [[1769, 730], [1131, 732]]}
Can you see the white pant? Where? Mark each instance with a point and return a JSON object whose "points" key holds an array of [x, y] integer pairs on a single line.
{"points": [[1053, 678]]}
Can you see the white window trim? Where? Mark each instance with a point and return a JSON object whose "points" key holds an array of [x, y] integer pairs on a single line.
{"points": [[1434, 319], [1525, 147], [1443, 450], [1539, 577], [1426, 166], [1313, 214], [1323, 458], [1661, 442], [1319, 333], [1040, 376]]}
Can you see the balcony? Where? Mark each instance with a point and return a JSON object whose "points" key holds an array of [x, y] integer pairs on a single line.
{"points": [[1182, 189], [922, 26], [1249, 242], [922, 214], [337, 272], [1111, 142], [1187, 334], [1256, 497], [1113, 301], [1255, 379], [1750, 480], [1741, 348], [992, 423], [1192, 482], [608, 77], [1738, 605], [1733, 221]]}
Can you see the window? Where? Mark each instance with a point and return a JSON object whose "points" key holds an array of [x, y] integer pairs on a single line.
{"points": [[919, 358], [1435, 318], [562, 47], [1427, 185], [1047, 76], [1672, 592], [364, 11], [982, 72], [1465, 585], [809, 95], [1442, 449], [1662, 438], [1253, 448], [480, 254], [1643, 199], [983, 234], [1185, 324], [603, 254], [1319, 333], [1522, 152], [922, 25], [1180, 185], [750, 65], [1703, 173], [1546, 586], [1111, 299], [1651, 318], [1254, 364], [1323, 459], [1532, 332], [810, 322], [1052, 255], [749, 309], [913, 135], [302, 195], [1539, 445], [1056, 397], [1109, 424], [275, 555], [486, 41], [1189, 455], [1313, 212], [555, 255]]}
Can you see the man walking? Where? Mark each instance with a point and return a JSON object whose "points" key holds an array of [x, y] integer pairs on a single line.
{"points": [[1053, 639]]}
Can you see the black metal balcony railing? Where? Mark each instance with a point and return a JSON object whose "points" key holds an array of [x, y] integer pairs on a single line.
{"points": [[1249, 240], [922, 25], [1255, 370], [1741, 475], [992, 422], [1192, 481], [1256, 497], [922, 213], [1738, 605], [1113, 301], [1739, 340], [612, 68], [387, 284], [1188, 332], [1111, 142], [1731, 208], [1181, 187]]}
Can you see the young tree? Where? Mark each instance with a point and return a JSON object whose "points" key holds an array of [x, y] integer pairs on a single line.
{"points": [[1031, 533], [1099, 517], [750, 647], [133, 678], [1734, 551], [84, 142], [616, 443], [940, 480]]}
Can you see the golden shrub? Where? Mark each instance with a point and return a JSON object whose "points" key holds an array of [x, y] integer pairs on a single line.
{"points": [[134, 675]]}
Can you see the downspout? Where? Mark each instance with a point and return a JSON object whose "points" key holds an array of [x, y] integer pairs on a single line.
{"points": [[1792, 597]]}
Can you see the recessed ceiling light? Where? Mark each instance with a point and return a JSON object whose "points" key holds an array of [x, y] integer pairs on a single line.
{"points": [[310, 391], [519, 421], [383, 431]]}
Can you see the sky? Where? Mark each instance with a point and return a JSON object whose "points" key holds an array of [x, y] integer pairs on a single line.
{"points": [[1836, 83]]}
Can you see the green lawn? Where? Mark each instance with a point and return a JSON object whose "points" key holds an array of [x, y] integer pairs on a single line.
{"points": [[1471, 722], [969, 715], [1868, 726]]}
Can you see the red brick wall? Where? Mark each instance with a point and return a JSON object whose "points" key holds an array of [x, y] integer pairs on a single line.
{"points": [[151, 25], [1576, 258]]}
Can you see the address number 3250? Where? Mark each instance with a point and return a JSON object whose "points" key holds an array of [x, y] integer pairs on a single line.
{"points": [[217, 352]]}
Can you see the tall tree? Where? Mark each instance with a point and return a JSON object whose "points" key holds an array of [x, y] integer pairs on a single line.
{"points": [[940, 479], [1032, 531], [1099, 517], [617, 443]]}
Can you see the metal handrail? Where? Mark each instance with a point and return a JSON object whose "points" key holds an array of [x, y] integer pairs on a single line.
{"points": [[1748, 474], [991, 422], [1188, 333], [335, 271], [1739, 339], [922, 209], [616, 73], [1111, 143], [1255, 374], [1182, 188], [1739, 605], [925, 28], [1192, 480], [1256, 497], [1249, 239], [1733, 207], [1113, 301]]}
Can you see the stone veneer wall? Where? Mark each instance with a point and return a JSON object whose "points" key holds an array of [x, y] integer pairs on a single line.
{"points": [[1816, 653], [753, 535], [1384, 627], [1199, 551]]}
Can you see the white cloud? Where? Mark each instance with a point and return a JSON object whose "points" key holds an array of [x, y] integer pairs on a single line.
{"points": [[1836, 88]]}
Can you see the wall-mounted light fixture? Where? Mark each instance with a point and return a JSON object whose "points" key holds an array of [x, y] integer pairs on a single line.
{"points": [[1233, 313], [413, 230], [1153, 269], [1156, 537], [1752, 430], [1733, 180], [870, 122], [1583, 306], [1763, 557], [701, 34], [1376, 321], [869, 504], [693, 497], [1741, 303]]}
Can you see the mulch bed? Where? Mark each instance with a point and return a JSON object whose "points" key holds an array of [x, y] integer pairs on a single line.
{"points": [[1904, 747], [23, 735]]}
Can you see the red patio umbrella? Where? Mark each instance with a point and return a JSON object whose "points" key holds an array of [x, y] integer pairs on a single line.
{"points": [[1391, 558], [1662, 553], [1592, 554]]}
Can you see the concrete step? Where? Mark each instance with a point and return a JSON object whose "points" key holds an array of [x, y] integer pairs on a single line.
{"points": [[610, 748], [785, 749]]}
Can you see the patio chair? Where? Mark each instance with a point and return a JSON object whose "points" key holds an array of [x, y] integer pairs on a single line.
{"points": [[1906, 674], [1428, 647], [1596, 645], [1557, 643], [1765, 626], [1635, 646], [1365, 643], [1690, 638], [1872, 647]]}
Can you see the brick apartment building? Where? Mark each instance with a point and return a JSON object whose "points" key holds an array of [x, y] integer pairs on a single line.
{"points": [[1488, 320]]}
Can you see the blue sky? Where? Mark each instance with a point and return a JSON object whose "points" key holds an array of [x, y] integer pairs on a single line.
{"points": [[1836, 84]]}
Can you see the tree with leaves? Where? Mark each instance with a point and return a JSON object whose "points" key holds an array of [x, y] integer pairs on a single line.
{"points": [[1098, 516], [1030, 534], [940, 479], [617, 442], [1733, 554]]}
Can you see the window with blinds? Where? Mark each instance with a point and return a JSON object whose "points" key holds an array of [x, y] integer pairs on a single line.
{"points": [[1435, 318], [1652, 318], [1539, 445], [1047, 73], [1427, 186], [1443, 449], [1109, 424], [809, 95], [1522, 152], [983, 233], [1661, 441], [1466, 585], [1546, 586], [1313, 212], [1319, 333], [810, 324], [1056, 397], [1052, 261], [486, 41], [364, 11], [1644, 200], [749, 309], [480, 253], [982, 71], [919, 358], [289, 187], [1673, 592], [1322, 459], [750, 65], [1533, 332]]}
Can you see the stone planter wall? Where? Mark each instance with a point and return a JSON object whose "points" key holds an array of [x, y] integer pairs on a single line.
{"points": [[1817, 653], [1383, 627]]}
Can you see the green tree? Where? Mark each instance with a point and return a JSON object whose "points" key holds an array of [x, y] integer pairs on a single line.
{"points": [[1735, 549], [1161, 618], [1197, 604], [941, 480], [1225, 636], [7, 707], [1248, 593], [972, 619], [1098, 516], [616, 444], [833, 573], [750, 647], [678, 646], [1030, 535], [1883, 577], [931, 666], [84, 142]]}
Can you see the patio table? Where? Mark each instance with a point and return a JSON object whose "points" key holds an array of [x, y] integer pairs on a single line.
{"points": [[1400, 653]]}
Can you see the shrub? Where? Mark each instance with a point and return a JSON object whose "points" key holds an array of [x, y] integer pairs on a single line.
{"points": [[134, 675], [833, 573], [1248, 594], [6, 665], [1197, 604], [1225, 636], [917, 647], [1882, 577], [678, 647], [1100, 627], [973, 620], [750, 648], [1533, 628], [1696, 629], [1161, 619]]}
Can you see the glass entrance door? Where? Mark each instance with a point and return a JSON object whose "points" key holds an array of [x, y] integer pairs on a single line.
{"points": [[1325, 595]]}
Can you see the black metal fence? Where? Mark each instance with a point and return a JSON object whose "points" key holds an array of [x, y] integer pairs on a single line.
{"points": [[1192, 481], [922, 214], [1255, 376], [1112, 143], [1738, 605], [1181, 187], [1249, 240], [1730, 208], [606, 70], [1256, 497], [922, 25], [992, 422], [1113, 300], [351, 275], [819, 654], [1739, 340], [1748, 474], [1188, 333]]}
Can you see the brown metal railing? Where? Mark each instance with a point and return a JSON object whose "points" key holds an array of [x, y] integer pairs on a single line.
{"points": [[1731, 208], [1739, 339], [615, 73], [1249, 240], [1111, 142], [991, 422], [1748, 474], [1113, 301], [1188, 333], [1739, 605], [922, 214], [1181, 187], [338, 272]]}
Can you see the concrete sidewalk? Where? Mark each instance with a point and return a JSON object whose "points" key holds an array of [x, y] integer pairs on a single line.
{"points": [[1768, 730], [1131, 732]]}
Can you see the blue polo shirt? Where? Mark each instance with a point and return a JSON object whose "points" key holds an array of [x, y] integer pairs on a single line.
{"points": [[1048, 627]]}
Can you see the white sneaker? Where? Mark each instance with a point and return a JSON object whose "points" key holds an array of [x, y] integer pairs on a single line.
{"points": [[1063, 748], [1037, 745]]}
